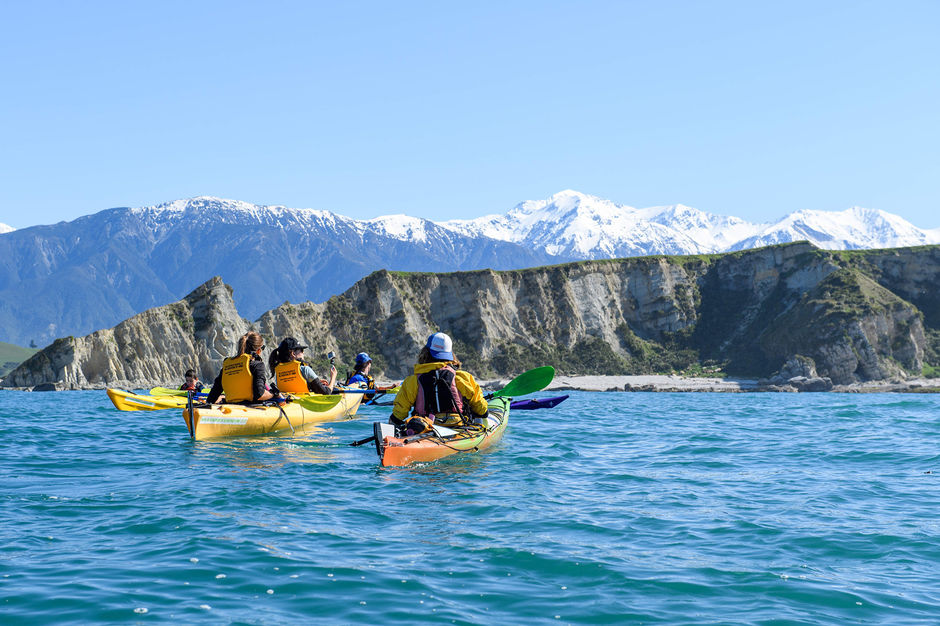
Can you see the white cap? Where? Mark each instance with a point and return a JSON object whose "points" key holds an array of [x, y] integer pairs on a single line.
{"points": [[441, 347]]}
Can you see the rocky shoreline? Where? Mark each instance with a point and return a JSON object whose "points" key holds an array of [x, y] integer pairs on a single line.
{"points": [[664, 383], [661, 383]]}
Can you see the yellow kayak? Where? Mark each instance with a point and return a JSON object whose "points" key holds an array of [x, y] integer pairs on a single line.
{"points": [[127, 401], [237, 420]]}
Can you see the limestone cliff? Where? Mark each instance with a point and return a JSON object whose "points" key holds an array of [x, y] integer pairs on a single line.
{"points": [[857, 315], [747, 312], [153, 348]]}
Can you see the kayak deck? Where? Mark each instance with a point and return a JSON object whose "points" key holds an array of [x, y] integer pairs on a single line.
{"points": [[442, 442], [127, 401], [237, 420]]}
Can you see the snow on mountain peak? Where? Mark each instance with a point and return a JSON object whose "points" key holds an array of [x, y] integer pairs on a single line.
{"points": [[403, 227], [572, 225], [4, 228]]}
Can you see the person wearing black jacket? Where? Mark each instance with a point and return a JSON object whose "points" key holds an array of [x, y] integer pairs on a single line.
{"points": [[242, 378], [293, 375]]}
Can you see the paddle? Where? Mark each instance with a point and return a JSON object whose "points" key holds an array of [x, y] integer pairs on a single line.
{"points": [[536, 403], [526, 382], [165, 391], [391, 391], [192, 418], [317, 402], [516, 405]]}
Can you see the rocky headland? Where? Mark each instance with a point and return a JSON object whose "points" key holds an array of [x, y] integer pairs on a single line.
{"points": [[783, 318]]}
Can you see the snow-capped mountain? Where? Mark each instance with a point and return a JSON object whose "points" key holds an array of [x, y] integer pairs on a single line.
{"points": [[574, 225], [841, 230], [4, 228], [99, 269]]}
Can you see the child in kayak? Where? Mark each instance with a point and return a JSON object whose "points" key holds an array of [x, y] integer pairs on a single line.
{"points": [[242, 378], [192, 382], [292, 375], [362, 376], [438, 391]]}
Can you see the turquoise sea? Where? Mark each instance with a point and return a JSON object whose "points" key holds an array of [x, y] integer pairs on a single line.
{"points": [[610, 508]]}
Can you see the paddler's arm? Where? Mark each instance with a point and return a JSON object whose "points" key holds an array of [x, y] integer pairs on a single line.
{"points": [[469, 389], [405, 399], [259, 389], [216, 390]]}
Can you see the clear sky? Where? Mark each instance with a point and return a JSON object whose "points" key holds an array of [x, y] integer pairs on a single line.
{"points": [[444, 110]]}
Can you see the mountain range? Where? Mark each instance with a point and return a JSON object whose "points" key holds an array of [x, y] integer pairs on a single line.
{"points": [[804, 318], [74, 277]]}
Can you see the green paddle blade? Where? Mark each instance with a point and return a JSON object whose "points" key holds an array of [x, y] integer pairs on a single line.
{"points": [[527, 382], [163, 391], [318, 403]]}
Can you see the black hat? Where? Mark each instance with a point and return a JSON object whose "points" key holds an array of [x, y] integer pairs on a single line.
{"points": [[289, 344]]}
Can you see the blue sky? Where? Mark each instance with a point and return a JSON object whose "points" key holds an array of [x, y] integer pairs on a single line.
{"points": [[443, 110]]}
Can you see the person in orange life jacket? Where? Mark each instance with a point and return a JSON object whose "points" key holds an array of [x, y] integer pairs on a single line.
{"points": [[192, 382], [438, 391], [242, 378], [292, 375]]}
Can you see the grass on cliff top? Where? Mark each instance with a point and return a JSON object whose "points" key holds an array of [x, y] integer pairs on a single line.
{"points": [[678, 259], [852, 255], [12, 355]]}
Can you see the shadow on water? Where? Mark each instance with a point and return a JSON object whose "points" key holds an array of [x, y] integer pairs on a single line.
{"points": [[311, 444]]}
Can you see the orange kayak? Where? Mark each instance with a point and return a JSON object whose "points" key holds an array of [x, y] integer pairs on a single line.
{"points": [[442, 442]]}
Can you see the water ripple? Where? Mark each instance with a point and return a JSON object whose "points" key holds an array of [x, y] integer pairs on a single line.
{"points": [[610, 508]]}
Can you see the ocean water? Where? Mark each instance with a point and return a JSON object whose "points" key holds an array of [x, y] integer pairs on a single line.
{"points": [[610, 508]]}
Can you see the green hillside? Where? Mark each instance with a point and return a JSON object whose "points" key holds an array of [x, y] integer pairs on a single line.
{"points": [[11, 356]]}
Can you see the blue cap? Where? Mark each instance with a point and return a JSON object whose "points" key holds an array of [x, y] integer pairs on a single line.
{"points": [[362, 358], [441, 347]]}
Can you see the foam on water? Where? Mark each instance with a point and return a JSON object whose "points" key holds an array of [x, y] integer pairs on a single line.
{"points": [[612, 507]]}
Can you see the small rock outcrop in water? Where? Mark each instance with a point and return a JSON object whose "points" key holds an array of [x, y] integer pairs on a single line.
{"points": [[799, 372], [801, 317]]}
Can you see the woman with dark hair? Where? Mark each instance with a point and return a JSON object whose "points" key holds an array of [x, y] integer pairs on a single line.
{"points": [[292, 375], [438, 391], [242, 378]]}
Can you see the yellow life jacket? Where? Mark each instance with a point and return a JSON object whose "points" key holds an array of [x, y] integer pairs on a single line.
{"points": [[237, 379], [289, 379]]}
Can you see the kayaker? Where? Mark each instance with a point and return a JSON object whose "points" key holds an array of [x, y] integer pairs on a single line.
{"points": [[242, 378], [438, 391], [192, 382], [363, 376], [293, 375]]}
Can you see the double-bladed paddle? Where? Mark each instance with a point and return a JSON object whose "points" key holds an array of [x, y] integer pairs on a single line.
{"points": [[526, 382], [164, 391]]}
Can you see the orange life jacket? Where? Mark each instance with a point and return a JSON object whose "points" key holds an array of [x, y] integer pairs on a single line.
{"points": [[289, 379]]}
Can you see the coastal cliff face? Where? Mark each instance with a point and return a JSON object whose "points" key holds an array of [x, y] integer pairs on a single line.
{"points": [[153, 348], [858, 316]]}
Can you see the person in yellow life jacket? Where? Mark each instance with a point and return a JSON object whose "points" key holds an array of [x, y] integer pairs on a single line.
{"points": [[292, 375], [438, 391], [242, 378]]}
